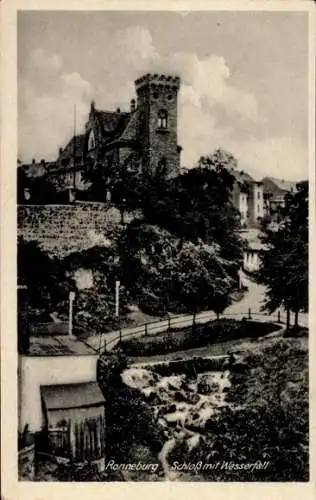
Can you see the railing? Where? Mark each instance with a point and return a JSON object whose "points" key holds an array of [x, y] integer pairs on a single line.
{"points": [[107, 341]]}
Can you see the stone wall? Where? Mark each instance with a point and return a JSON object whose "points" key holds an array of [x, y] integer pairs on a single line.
{"points": [[62, 229]]}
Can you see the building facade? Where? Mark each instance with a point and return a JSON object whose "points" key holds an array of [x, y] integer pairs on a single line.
{"points": [[275, 191], [247, 197], [143, 138]]}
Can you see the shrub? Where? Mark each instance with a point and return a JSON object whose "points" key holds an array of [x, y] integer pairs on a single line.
{"points": [[213, 332]]}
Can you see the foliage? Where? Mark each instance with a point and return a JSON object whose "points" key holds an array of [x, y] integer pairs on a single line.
{"points": [[129, 419], [42, 274], [42, 190], [179, 276], [284, 268], [178, 340], [269, 419]]}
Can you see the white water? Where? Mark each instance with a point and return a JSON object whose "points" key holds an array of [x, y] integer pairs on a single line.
{"points": [[200, 399]]}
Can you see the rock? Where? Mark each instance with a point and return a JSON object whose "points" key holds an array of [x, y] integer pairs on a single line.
{"points": [[192, 398], [240, 367], [138, 378], [207, 384], [193, 442], [180, 396], [177, 418], [167, 408]]}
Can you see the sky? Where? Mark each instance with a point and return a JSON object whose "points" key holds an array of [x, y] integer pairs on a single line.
{"points": [[244, 80]]}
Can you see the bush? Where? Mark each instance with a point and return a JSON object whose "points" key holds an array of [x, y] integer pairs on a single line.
{"points": [[269, 421], [216, 331]]}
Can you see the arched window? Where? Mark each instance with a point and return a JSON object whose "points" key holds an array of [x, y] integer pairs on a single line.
{"points": [[163, 119], [91, 141]]}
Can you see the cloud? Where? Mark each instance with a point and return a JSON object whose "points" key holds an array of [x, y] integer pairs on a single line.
{"points": [[47, 95], [212, 110]]}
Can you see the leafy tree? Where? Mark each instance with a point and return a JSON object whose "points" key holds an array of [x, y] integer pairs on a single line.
{"points": [[95, 306], [42, 274], [284, 267], [197, 206], [178, 276]]}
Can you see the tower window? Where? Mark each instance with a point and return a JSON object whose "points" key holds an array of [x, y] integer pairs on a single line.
{"points": [[163, 119], [169, 97], [155, 95]]}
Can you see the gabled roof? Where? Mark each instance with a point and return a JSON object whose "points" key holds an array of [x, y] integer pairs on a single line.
{"points": [[242, 176], [111, 121], [130, 130], [77, 141], [282, 184], [64, 396]]}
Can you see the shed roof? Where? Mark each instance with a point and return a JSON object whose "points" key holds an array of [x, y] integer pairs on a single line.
{"points": [[63, 396]]}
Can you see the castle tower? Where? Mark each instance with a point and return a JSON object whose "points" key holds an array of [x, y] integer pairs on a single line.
{"points": [[157, 105]]}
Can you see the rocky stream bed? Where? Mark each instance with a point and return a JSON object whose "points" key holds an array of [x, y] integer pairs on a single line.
{"points": [[182, 405]]}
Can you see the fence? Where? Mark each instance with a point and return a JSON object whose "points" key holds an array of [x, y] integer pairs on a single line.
{"points": [[107, 341]]}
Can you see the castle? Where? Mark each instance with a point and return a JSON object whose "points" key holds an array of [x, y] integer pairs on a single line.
{"points": [[144, 138]]}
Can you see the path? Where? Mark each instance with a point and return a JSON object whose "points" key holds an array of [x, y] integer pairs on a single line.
{"points": [[253, 299]]}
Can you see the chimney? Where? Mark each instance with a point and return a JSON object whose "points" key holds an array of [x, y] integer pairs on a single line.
{"points": [[33, 161], [133, 105], [23, 322], [42, 162], [118, 110], [92, 107], [60, 150]]}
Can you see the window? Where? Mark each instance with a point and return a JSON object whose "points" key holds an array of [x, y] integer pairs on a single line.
{"points": [[163, 119], [91, 141], [258, 195], [258, 209]]}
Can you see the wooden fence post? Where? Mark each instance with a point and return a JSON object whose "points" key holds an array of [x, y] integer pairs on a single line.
{"points": [[169, 323], [193, 322], [104, 345], [279, 316], [249, 313], [121, 335], [146, 329]]}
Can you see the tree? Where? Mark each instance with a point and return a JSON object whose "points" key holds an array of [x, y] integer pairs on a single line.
{"points": [[197, 205], [185, 277], [284, 267], [42, 274]]}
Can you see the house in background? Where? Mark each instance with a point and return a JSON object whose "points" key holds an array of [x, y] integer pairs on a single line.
{"points": [[251, 255], [275, 191], [247, 197]]}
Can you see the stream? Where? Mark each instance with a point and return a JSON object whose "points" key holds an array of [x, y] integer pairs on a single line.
{"points": [[182, 406]]}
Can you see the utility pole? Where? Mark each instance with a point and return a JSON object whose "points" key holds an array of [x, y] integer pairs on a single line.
{"points": [[70, 321], [117, 299], [74, 150]]}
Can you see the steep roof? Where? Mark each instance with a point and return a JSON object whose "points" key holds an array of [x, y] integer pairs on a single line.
{"points": [[111, 121], [72, 395], [282, 184], [77, 141], [130, 131], [242, 176]]}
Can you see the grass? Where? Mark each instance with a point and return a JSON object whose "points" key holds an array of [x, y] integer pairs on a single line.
{"points": [[211, 333]]}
